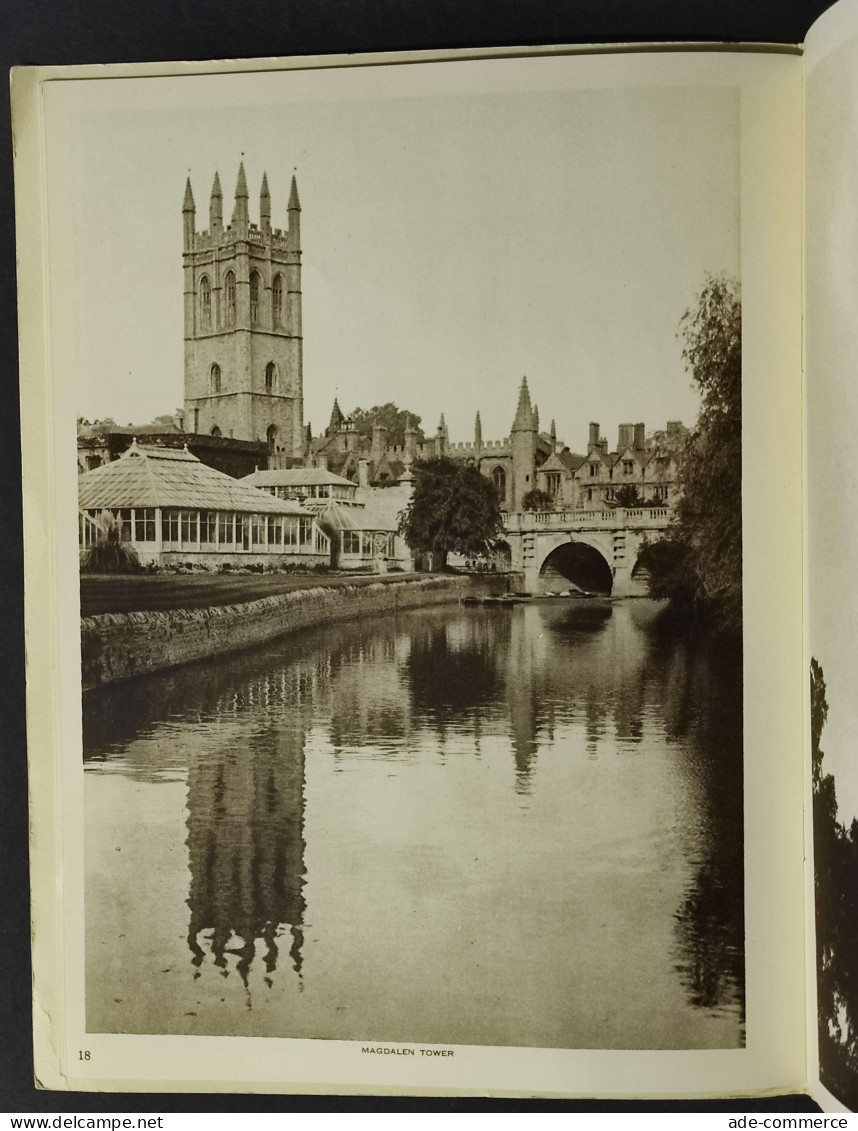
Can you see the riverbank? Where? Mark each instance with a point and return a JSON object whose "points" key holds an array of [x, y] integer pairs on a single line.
{"points": [[120, 645], [161, 592]]}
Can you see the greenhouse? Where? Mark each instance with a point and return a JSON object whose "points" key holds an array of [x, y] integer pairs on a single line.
{"points": [[172, 508], [305, 483]]}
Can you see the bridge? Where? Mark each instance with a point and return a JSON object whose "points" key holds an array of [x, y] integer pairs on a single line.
{"points": [[597, 550]]}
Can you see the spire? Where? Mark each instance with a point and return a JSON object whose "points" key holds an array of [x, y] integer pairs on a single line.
{"points": [[524, 413], [478, 432], [241, 197], [553, 434], [216, 205], [265, 205], [294, 204], [189, 211], [293, 235], [336, 417], [442, 426], [536, 418], [188, 205]]}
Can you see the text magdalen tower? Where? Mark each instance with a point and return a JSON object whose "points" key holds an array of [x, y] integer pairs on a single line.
{"points": [[243, 345]]}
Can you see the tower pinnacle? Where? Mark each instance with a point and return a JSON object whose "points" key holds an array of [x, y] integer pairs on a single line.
{"points": [[241, 197], [188, 204], [216, 205], [294, 203], [265, 205], [189, 211], [524, 413]]}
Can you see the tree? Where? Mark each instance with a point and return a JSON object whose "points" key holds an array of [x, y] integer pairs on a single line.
{"points": [[835, 865], [453, 508], [395, 419], [706, 565], [537, 500], [628, 497], [109, 554]]}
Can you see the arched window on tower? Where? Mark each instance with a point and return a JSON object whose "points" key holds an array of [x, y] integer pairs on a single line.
{"points": [[270, 377], [205, 303], [255, 288], [215, 431], [499, 480], [215, 378], [277, 299], [271, 437], [229, 291]]}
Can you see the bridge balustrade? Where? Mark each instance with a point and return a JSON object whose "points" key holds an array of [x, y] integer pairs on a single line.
{"points": [[644, 517]]}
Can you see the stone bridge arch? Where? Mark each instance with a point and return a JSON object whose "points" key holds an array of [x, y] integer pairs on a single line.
{"points": [[580, 559], [618, 546]]}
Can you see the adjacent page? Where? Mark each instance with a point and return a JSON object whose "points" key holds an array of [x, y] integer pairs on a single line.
{"points": [[831, 329], [550, 847]]}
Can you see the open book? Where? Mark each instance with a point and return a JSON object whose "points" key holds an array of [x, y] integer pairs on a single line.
{"points": [[370, 754]]}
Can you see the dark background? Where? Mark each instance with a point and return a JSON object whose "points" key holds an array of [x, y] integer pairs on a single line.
{"points": [[107, 31]]}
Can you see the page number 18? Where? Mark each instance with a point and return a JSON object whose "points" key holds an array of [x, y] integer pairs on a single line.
{"points": [[83, 1054]]}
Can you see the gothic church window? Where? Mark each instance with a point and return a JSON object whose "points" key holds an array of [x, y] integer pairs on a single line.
{"points": [[499, 480], [270, 377], [215, 378], [255, 288], [205, 303], [277, 299], [229, 288], [271, 437]]}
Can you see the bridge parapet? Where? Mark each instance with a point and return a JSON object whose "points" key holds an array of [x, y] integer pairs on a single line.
{"points": [[616, 518]]}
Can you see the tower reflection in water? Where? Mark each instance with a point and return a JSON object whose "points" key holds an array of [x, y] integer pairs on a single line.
{"points": [[246, 851]]}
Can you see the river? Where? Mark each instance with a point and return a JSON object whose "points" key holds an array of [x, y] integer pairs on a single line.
{"points": [[496, 826]]}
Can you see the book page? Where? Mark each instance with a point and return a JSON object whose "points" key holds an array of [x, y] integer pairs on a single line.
{"points": [[312, 812], [831, 330]]}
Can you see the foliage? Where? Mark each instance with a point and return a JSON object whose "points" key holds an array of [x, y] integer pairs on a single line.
{"points": [[109, 554], [395, 419], [835, 850], [706, 568], [537, 500], [453, 508]]}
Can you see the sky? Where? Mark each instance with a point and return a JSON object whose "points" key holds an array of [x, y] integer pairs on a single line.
{"points": [[464, 225], [831, 328]]}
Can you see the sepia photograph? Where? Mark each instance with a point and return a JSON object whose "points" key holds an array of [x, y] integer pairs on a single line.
{"points": [[407, 406]]}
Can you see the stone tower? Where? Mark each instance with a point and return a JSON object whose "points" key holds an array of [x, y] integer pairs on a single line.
{"points": [[243, 340], [523, 439]]}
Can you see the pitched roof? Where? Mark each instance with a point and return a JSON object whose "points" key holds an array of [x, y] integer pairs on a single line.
{"points": [[553, 463], [572, 460], [336, 516], [172, 477], [296, 477]]}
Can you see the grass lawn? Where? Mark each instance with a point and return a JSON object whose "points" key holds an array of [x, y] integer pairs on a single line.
{"points": [[109, 593]]}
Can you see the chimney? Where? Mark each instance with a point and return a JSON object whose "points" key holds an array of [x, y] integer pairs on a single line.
{"points": [[363, 472], [411, 435], [322, 461], [626, 437], [379, 442], [640, 437], [594, 435]]}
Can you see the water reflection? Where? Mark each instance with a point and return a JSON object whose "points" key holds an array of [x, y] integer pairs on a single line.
{"points": [[246, 850], [554, 726]]}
